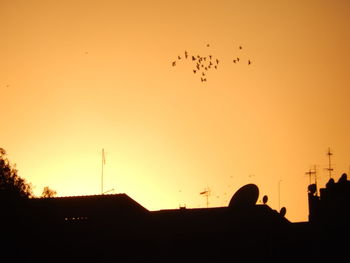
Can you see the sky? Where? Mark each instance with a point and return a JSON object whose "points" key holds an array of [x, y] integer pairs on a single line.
{"points": [[77, 77]]}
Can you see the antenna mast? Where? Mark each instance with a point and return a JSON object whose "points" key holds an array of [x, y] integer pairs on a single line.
{"points": [[310, 173], [103, 163], [329, 169], [206, 193]]}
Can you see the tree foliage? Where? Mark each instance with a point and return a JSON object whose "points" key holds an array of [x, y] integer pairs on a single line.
{"points": [[47, 192], [12, 186]]}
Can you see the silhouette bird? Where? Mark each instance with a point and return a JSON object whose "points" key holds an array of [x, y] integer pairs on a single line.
{"points": [[178, 57], [217, 61], [238, 59], [207, 45], [240, 47], [249, 62], [234, 61], [186, 55], [210, 57], [215, 67], [194, 71], [174, 63], [197, 66], [193, 58], [203, 74]]}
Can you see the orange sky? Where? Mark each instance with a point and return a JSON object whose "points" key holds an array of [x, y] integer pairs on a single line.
{"points": [[79, 76]]}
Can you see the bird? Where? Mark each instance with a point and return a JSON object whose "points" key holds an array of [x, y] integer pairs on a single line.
{"points": [[194, 71], [178, 57], [217, 61], [207, 45], [240, 47], [249, 62], [174, 63], [193, 58], [186, 55], [238, 59], [203, 74], [197, 66], [234, 61], [210, 56], [215, 67]]}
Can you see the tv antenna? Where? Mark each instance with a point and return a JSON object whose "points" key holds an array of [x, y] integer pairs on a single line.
{"points": [[111, 190], [103, 163], [206, 193], [329, 169], [310, 173]]}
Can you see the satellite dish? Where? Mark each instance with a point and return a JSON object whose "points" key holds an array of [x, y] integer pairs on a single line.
{"points": [[246, 196], [265, 198], [283, 211]]}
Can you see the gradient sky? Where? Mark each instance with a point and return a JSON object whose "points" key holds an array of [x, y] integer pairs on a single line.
{"points": [[79, 76]]}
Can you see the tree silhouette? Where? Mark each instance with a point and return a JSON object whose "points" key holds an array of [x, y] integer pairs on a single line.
{"points": [[47, 192], [12, 186]]}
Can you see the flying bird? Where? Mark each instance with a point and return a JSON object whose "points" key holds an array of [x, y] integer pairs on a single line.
{"points": [[186, 55], [234, 61], [194, 71], [207, 45], [174, 63], [178, 57], [238, 59], [249, 62], [217, 61], [240, 47], [193, 58]]}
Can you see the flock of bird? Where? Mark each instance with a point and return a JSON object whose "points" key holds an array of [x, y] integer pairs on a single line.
{"points": [[203, 64]]}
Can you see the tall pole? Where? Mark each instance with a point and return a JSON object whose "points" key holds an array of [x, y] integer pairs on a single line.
{"points": [[279, 194], [103, 162], [330, 169]]}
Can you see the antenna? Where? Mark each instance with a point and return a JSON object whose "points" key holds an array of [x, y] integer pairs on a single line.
{"points": [[111, 190], [103, 163], [206, 193], [329, 169], [279, 193], [310, 173]]}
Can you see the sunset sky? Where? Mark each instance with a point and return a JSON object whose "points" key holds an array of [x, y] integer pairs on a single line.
{"points": [[79, 76]]}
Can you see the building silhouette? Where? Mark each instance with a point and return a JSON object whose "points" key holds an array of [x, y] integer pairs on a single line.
{"points": [[115, 227]]}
